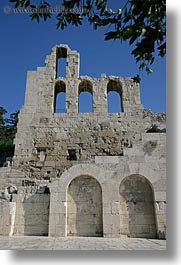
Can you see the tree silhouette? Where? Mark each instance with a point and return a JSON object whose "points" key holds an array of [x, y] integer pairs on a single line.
{"points": [[8, 127]]}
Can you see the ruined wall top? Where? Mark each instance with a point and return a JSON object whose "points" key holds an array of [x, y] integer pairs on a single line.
{"points": [[45, 85], [50, 141], [72, 60]]}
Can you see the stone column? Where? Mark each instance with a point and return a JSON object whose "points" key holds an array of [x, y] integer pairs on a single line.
{"points": [[111, 208], [57, 218], [160, 214], [100, 95], [72, 67]]}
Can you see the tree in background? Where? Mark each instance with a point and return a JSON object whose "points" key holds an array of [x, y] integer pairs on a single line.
{"points": [[140, 22], [8, 128], [2, 120]]}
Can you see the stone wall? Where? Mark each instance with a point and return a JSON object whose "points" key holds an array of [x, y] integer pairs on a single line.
{"points": [[5, 225], [32, 216], [85, 174]]}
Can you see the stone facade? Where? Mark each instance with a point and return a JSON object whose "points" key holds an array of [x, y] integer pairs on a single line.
{"points": [[84, 174]]}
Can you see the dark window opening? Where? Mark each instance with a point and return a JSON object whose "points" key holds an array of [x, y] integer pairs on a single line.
{"points": [[72, 154], [156, 129], [28, 183], [41, 152], [43, 190], [47, 190]]}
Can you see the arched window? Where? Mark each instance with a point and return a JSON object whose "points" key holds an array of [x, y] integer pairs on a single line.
{"points": [[61, 62], [60, 97], [85, 101], [114, 97]]}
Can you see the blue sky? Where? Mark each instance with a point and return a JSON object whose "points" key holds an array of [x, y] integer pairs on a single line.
{"points": [[25, 44]]}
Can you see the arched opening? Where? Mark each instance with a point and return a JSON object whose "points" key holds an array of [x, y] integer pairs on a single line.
{"points": [[137, 211], [36, 213], [61, 62], [85, 100], [84, 208], [113, 102], [60, 97], [114, 97]]}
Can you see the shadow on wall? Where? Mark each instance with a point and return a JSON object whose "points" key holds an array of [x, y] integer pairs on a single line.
{"points": [[137, 208], [84, 208], [36, 213]]}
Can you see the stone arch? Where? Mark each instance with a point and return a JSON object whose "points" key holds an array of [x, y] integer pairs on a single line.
{"points": [[137, 210], [85, 94], [84, 207], [114, 90], [58, 189], [129, 169], [61, 184], [60, 97]]}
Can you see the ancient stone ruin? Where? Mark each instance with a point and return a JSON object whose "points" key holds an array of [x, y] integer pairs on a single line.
{"points": [[84, 174]]}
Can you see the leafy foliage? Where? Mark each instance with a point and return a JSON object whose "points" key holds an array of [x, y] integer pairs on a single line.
{"points": [[2, 112], [8, 129], [141, 23]]}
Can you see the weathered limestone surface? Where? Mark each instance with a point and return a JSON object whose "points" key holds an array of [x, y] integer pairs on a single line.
{"points": [[84, 207], [84, 174]]}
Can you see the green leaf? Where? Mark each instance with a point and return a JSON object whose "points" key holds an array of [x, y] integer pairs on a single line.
{"points": [[162, 50], [127, 33], [119, 11], [16, 5], [149, 70], [68, 4], [105, 21], [133, 38], [46, 15], [142, 66], [127, 18], [99, 6], [27, 3], [35, 16], [111, 35], [137, 79], [111, 12], [95, 25]]}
